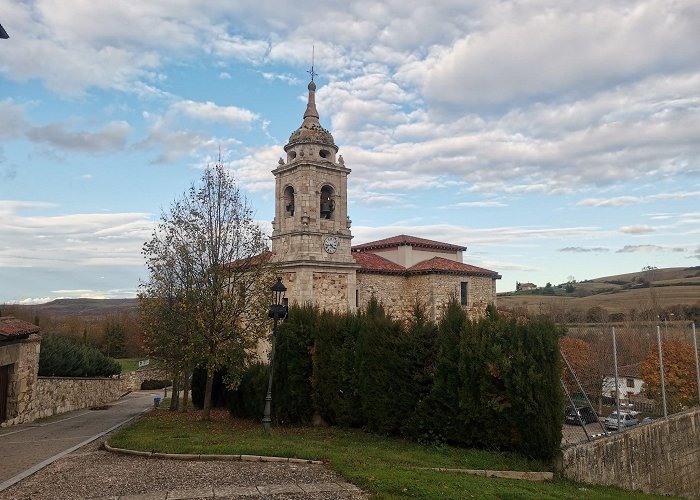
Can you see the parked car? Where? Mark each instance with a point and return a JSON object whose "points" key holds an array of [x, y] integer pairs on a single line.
{"points": [[626, 420], [584, 412]]}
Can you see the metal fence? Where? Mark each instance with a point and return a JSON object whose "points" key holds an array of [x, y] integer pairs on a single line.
{"points": [[632, 372]]}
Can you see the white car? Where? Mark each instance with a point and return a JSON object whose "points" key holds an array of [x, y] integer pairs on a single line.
{"points": [[625, 421]]}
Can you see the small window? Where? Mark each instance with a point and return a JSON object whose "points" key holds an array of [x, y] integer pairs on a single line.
{"points": [[291, 155], [630, 382], [464, 293], [324, 153]]}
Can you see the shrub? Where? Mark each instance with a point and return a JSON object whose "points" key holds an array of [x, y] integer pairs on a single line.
{"points": [[248, 400], [62, 357], [153, 384], [218, 392], [292, 401]]}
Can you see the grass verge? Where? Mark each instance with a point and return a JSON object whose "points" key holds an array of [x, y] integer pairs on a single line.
{"points": [[128, 364], [386, 467]]}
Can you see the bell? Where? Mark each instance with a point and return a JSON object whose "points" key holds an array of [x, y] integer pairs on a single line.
{"points": [[326, 210]]}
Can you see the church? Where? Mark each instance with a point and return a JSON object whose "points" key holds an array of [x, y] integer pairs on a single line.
{"points": [[312, 242]]}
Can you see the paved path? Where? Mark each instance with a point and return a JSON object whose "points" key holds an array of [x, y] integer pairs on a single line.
{"points": [[27, 448]]}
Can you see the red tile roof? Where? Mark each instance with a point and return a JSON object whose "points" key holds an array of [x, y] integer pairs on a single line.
{"points": [[441, 264], [13, 327], [372, 262], [405, 240], [255, 260]]}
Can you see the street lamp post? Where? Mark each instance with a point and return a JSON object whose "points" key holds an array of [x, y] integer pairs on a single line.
{"points": [[277, 312]]}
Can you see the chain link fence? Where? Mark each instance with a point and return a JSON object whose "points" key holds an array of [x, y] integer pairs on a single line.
{"points": [[619, 376]]}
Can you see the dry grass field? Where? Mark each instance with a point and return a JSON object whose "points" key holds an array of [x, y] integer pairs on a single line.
{"points": [[616, 294]]}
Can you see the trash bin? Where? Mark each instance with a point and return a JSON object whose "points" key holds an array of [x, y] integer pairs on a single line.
{"points": [[156, 401]]}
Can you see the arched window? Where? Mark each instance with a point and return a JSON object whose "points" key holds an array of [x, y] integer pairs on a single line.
{"points": [[289, 201], [327, 202]]}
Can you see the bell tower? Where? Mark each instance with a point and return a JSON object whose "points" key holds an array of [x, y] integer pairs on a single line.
{"points": [[311, 236]]}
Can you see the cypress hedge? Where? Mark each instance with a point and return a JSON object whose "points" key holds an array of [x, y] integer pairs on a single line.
{"points": [[492, 383]]}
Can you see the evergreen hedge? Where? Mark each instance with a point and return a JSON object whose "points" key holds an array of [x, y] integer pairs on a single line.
{"points": [[62, 357], [492, 383]]}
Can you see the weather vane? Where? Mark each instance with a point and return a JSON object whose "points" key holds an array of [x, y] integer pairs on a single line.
{"points": [[312, 72]]}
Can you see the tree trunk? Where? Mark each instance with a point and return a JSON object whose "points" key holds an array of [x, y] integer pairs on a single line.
{"points": [[185, 389], [176, 391], [207, 394]]}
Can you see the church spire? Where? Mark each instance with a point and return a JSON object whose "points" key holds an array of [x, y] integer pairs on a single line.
{"points": [[310, 131], [311, 114]]}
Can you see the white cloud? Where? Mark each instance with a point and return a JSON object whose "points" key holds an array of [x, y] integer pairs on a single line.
{"points": [[640, 248], [637, 229], [111, 137], [211, 112], [480, 204], [70, 241], [572, 47], [584, 249]]}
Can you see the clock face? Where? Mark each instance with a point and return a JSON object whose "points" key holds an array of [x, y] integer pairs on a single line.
{"points": [[330, 244]]}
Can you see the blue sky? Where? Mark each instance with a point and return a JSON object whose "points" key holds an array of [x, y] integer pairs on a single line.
{"points": [[552, 138]]}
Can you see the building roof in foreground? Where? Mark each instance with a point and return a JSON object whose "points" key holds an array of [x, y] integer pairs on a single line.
{"points": [[11, 327], [405, 240]]}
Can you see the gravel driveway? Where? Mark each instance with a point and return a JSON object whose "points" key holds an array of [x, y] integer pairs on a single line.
{"points": [[90, 472]]}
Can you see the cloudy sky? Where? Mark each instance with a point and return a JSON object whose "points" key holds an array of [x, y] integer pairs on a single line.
{"points": [[552, 138]]}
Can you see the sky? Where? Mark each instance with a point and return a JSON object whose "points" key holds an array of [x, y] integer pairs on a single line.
{"points": [[554, 139]]}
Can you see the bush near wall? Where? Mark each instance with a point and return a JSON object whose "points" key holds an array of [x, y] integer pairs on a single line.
{"points": [[488, 384], [62, 357]]}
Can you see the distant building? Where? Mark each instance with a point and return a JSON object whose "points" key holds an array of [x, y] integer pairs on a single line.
{"points": [[311, 241], [19, 366], [629, 382], [522, 287]]}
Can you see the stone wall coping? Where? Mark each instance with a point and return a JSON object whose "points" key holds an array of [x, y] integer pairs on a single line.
{"points": [[44, 377], [227, 458], [505, 474]]}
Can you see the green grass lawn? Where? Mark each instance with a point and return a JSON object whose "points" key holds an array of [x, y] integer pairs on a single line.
{"points": [[128, 364], [386, 467]]}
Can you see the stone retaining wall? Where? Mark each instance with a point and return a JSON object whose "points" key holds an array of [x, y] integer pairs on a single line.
{"points": [[132, 380], [55, 395], [43, 397], [661, 457]]}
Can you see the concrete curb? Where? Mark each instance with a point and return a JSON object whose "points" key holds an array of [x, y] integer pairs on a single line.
{"points": [[503, 474], [229, 458]]}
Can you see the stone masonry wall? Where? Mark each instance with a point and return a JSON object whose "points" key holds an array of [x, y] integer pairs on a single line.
{"points": [[331, 291], [398, 294], [387, 290], [23, 357], [55, 395], [661, 457]]}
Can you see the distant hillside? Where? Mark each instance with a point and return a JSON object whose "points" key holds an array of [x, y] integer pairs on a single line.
{"points": [[79, 307], [645, 290]]}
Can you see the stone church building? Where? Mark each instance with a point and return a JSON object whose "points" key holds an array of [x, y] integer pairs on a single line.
{"points": [[312, 241]]}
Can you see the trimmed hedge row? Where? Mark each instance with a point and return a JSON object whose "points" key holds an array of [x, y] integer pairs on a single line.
{"points": [[489, 384]]}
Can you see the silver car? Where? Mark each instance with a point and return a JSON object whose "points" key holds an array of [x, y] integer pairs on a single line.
{"points": [[626, 420]]}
